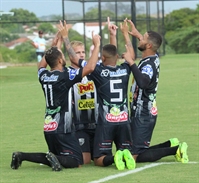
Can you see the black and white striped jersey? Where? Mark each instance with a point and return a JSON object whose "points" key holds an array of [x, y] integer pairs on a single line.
{"points": [[85, 107]]}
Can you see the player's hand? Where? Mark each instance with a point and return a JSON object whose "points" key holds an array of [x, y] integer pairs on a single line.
{"points": [[96, 39], [134, 32], [111, 27], [63, 29], [127, 56], [124, 27]]}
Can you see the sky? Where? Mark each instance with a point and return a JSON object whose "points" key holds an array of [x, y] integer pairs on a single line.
{"points": [[49, 7]]}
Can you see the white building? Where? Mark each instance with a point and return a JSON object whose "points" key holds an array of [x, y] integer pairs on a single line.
{"points": [[89, 27]]}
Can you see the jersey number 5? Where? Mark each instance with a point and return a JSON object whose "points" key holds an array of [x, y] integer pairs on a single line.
{"points": [[113, 90]]}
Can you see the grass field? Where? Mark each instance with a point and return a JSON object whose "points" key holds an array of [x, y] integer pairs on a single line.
{"points": [[21, 128]]}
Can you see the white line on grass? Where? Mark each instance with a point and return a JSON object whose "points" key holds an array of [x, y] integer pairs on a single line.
{"points": [[132, 171]]}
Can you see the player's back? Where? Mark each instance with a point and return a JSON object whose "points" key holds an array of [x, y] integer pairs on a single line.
{"points": [[112, 86]]}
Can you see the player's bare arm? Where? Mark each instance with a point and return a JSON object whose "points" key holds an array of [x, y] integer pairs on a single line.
{"points": [[57, 40], [134, 32], [125, 31], [112, 32], [63, 29], [42, 63], [91, 64], [127, 56]]}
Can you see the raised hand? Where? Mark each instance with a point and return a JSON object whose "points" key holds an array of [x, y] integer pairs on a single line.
{"points": [[134, 32], [124, 27], [63, 29], [96, 39], [111, 27]]}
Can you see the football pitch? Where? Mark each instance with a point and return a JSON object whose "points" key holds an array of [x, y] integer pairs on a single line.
{"points": [[21, 128]]}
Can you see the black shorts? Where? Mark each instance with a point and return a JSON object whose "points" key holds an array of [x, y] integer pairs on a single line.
{"points": [[40, 53], [142, 130], [105, 135], [65, 144], [86, 140]]}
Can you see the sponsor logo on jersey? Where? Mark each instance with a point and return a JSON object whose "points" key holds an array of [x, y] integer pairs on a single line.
{"points": [[86, 104], [123, 116], [147, 69], [154, 111], [53, 111], [51, 126], [105, 73], [85, 88], [51, 78], [73, 73], [119, 72]]}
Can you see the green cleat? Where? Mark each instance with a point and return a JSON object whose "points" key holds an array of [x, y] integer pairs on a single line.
{"points": [[130, 162], [118, 159], [174, 142], [181, 154]]}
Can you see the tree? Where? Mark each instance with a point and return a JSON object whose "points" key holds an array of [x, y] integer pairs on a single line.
{"points": [[6, 36], [180, 18], [93, 14], [182, 28], [20, 15], [185, 41]]}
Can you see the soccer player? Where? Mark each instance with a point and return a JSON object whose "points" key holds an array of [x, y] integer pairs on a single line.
{"points": [[85, 107], [144, 108], [113, 123], [59, 131]]}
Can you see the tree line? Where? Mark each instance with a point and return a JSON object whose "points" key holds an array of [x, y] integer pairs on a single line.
{"points": [[181, 30]]}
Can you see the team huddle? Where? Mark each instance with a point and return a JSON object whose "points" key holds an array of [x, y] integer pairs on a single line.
{"points": [[88, 108]]}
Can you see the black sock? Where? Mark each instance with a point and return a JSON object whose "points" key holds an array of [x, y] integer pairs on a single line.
{"points": [[35, 158], [68, 162], [151, 155], [162, 145], [108, 160]]}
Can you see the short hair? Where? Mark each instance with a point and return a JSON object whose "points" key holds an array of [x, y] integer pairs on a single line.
{"points": [[52, 55], [155, 38], [110, 50], [40, 32], [76, 43]]}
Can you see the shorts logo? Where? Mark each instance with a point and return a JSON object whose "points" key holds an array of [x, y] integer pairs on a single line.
{"points": [[81, 141], [86, 104]]}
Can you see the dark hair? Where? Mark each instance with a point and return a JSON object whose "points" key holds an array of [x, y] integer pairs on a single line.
{"points": [[156, 39], [52, 55], [110, 49], [40, 32]]}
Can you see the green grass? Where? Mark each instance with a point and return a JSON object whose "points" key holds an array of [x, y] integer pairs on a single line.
{"points": [[21, 126]]}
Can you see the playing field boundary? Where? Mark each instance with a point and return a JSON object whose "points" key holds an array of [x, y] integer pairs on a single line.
{"points": [[134, 171]]}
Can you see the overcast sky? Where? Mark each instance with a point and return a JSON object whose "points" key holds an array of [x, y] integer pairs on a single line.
{"points": [[49, 7]]}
